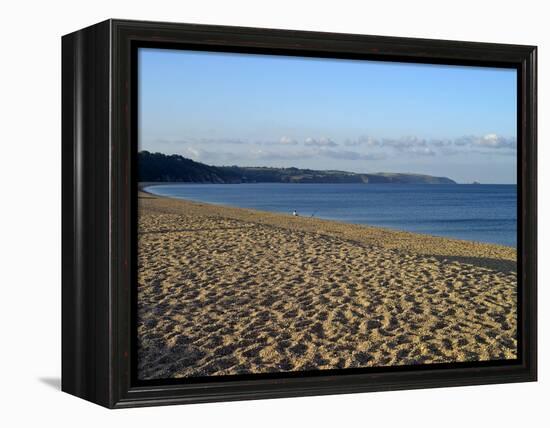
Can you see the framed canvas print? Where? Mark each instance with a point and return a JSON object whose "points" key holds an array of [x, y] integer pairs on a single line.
{"points": [[253, 213]]}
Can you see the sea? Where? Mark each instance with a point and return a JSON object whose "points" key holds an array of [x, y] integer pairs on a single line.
{"points": [[474, 212]]}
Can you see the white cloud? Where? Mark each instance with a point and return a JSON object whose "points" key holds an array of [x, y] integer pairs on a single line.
{"points": [[362, 148], [206, 156], [320, 142], [191, 140], [495, 141], [350, 155], [287, 141], [261, 154], [485, 144], [422, 151], [194, 152]]}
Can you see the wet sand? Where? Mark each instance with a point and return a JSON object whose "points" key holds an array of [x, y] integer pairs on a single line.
{"points": [[225, 291]]}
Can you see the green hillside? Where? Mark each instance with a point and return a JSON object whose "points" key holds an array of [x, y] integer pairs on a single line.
{"points": [[155, 167]]}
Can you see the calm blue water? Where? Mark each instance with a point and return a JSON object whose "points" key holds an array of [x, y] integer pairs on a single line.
{"points": [[485, 213]]}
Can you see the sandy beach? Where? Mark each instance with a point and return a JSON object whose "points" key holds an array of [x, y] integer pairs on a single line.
{"points": [[225, 291]]}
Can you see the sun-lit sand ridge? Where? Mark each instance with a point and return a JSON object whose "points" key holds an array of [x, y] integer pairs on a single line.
{"points": [[225, 291]]}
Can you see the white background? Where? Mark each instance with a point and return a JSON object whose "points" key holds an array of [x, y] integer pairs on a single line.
{"points": [[30, 210]]}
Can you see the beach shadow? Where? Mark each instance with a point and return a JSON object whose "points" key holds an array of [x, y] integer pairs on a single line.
{"points": [[52, 382], [498, 265]]}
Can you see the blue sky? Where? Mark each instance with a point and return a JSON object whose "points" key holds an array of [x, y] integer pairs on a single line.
{"points": [[362, 116]]}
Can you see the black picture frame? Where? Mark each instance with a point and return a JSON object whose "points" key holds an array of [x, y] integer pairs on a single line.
{"points": [[99, 208]]}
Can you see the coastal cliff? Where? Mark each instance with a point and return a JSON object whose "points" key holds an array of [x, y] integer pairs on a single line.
{"points": [[158, 167]]}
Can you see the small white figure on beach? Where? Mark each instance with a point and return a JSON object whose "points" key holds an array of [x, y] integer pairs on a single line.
{"points": [[294, 213]]}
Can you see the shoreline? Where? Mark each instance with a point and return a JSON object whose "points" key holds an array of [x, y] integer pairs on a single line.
{"points": [[454, 246], [142, 184], [225, 290]]}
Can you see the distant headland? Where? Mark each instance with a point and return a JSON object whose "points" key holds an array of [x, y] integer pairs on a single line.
{"points": [[158, 167]]}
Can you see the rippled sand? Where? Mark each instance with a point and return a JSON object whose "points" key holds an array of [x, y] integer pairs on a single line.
{"points": [[225, 291]]}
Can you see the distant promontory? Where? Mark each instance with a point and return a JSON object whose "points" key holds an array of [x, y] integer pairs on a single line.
{"points": [[158, 167]]}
